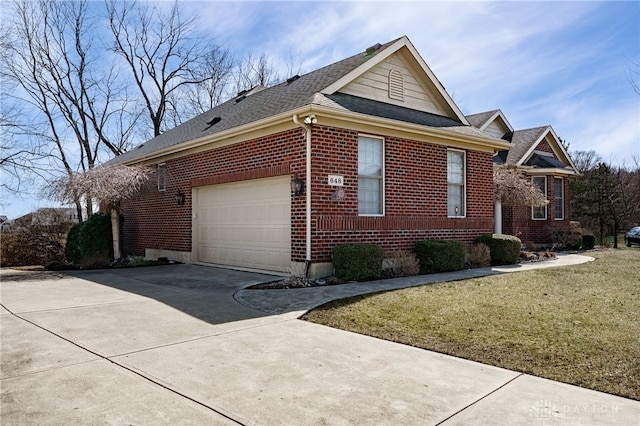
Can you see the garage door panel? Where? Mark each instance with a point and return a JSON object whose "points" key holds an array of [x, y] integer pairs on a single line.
{"points": [[246, 224]]}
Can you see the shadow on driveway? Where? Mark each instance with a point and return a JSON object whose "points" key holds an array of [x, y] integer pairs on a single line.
{"points": [[203, 292]]}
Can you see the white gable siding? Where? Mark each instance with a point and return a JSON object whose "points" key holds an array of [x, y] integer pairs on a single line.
{"points": [[374, 84], [496, 130]]}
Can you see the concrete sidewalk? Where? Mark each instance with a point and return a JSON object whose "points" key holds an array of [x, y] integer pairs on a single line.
{"points": [[170, 345]]}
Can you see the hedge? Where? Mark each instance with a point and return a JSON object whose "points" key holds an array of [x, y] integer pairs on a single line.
{"points": [[440, 255], [505, 249], [358, 262]]}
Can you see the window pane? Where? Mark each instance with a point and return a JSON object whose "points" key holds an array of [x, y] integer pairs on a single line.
{"points": [[369, 195], [455, 167], [369, 157], [455, 200]]}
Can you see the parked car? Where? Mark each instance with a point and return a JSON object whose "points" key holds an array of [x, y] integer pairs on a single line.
{"points": [[632, 236]]}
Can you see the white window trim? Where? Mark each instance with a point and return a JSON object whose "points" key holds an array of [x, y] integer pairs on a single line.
{"points": [[546, 196], [162, 174], [464, 184], [555, 200], [382, 178]]}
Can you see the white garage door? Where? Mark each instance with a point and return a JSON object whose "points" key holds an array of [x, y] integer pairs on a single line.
{"points": [[246, 224]]}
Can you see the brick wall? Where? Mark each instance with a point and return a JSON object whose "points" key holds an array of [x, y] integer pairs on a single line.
{"points": [[415, 193], [516, 220]]}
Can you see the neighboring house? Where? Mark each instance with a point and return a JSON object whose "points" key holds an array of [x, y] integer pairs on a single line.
{"points": [[48, 216], [377, 148], [5, 224], [539, 154]]}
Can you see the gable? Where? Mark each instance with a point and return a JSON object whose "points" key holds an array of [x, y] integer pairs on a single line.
{"points": [[393, 81], [492, 122], [397, 75], [547, 152], [497, 129]]}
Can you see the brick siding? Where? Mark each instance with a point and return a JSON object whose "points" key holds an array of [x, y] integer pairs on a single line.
{"points": [[415, 193], [516, 220]]}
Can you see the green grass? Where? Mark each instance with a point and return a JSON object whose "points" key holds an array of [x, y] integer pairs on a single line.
{"points": [[576, 324]]}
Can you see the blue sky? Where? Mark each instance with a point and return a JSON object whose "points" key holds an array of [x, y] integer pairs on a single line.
{"points": [[564, 64]]}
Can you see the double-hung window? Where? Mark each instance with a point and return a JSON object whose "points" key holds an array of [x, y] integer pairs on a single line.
{"points": [[370, 176], [558, 193], [456, 192], [540, 213]]}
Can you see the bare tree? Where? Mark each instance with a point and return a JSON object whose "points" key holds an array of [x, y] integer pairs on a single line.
{"points": [[111, 184], [255, 71], [164, 55], [73, 108], [633, 76], [585, 160], [513, 188]]}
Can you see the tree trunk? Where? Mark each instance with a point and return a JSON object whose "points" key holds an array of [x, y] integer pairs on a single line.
{"points": [[115, 230]]}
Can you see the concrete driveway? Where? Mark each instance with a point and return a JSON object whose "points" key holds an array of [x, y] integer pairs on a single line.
{"points": [[173, 345]]}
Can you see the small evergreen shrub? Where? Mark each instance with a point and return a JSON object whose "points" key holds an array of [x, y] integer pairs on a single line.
{"points": [[72, 249], [91, 239], [358, 262], [479, 255], [505, 249], [440, 255], [588, 242]]}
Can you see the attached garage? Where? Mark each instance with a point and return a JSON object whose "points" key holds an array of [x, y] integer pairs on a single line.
{"points": [[244, 224]]}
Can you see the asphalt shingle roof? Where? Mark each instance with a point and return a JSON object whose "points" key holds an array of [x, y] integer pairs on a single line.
{"points": [[478, 120], [522, 141], [287, 96]]}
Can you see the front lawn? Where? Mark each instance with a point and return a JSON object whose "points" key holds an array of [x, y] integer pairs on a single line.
{"points": [[577, 324]]}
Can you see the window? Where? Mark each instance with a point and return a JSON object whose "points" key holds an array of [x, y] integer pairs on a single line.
{"points": [[370, 176], [558, 193], [162, 177], [456, 184], [540, 213]]}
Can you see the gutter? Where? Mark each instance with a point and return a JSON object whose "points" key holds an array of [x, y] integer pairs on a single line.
{"points": [[309, 121]]}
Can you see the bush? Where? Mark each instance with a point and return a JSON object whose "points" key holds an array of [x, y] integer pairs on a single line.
{"points": [[440, 255], [34, 245], [91, 239], [402, 264], [479, 255], [505, 249], [568, 239], [72, 249], [357, 262], [588, 242]]}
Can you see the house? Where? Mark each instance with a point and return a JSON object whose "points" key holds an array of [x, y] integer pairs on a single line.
{"points": [[539, 154], [5, 224], [48, 216], [369, 149]]}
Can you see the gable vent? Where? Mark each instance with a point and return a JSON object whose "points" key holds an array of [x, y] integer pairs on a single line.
{"points": [[396, 85]]}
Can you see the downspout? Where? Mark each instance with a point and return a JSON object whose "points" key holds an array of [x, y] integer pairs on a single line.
{"points": [[497, 217], [308, 122]]}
